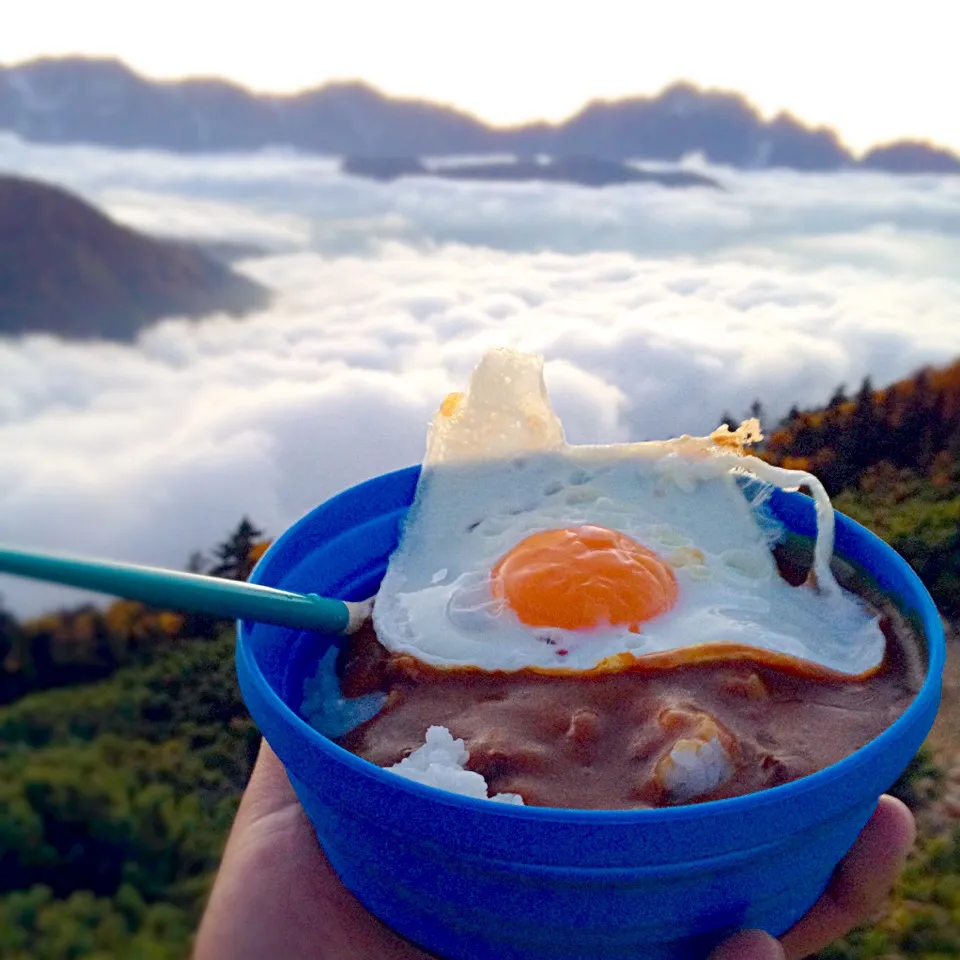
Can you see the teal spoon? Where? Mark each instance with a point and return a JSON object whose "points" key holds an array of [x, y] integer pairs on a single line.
{"points": [[173, 590]]}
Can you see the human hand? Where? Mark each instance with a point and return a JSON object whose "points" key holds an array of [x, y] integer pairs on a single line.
{"points": [[857, 892], [277, 896]]}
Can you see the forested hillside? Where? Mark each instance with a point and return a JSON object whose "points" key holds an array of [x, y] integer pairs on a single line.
{"points": [[891, 460], [124, 744]]}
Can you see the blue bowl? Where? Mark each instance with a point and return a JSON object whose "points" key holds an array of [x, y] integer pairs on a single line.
{"points": [[472, 880]]}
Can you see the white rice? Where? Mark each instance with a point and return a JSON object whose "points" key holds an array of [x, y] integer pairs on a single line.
{"points": [[441, 762]]}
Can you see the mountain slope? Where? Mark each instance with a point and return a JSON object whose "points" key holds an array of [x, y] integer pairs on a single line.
{"points": [[891, 460], [67, 269], [913, 424], [78, 100]]}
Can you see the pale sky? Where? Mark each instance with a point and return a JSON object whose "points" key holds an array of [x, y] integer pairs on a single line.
{"points": [[873, 70]]}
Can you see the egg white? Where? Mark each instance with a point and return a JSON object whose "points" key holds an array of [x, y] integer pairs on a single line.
{"points": [[436, 601], [498, 469]]}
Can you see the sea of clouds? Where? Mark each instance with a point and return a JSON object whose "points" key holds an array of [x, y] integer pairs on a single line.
{"points": [[657, 310]]}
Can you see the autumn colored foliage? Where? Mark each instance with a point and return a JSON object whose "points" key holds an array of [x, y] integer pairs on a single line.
{"points": [[913, 424], [88, 643], [891, 460]]}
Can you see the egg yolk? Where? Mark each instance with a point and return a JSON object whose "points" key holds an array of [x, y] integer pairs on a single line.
{"points": [[582, 577]]}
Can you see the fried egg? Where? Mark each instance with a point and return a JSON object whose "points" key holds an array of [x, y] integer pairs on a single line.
{"points": [[522, 551]]}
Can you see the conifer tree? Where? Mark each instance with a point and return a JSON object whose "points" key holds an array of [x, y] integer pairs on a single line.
{"points": [[232, 557]]}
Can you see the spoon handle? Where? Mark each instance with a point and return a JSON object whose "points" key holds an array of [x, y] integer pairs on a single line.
{"points": [[173, 590]]}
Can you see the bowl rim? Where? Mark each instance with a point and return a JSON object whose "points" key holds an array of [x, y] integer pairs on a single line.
{"points": [[848, 767]]}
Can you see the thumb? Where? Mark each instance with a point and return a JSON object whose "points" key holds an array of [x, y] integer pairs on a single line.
{"points": [[749, 945]]}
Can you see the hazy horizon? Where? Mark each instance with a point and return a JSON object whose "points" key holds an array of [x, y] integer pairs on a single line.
{"points": [[838, 76]]}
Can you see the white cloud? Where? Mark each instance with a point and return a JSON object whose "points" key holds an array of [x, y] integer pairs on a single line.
{"points": [[657, 311]]}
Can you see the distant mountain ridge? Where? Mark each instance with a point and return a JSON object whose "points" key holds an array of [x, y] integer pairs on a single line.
{"points": [[102, 101], [68, 269]]}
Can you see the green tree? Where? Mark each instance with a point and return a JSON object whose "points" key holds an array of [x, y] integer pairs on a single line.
{"points": [[727, 419], [838, 398], [232, 557], [793, 415]]}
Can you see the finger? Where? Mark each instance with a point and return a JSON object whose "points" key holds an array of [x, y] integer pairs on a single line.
{"points": [[268, 791], [861, 883], [749, 945]]}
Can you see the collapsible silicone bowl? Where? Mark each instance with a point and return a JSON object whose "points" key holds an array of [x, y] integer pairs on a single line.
{"points": [[472, 880]]}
